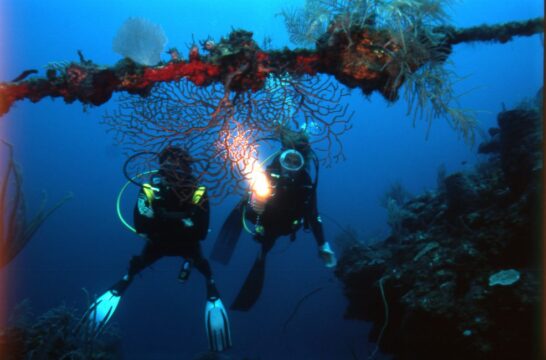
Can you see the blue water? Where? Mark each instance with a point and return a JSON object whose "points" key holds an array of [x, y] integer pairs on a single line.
{"points": [[62, 148]]}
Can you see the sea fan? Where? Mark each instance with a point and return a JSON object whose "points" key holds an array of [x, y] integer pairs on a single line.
{"points": [[140, 40]]}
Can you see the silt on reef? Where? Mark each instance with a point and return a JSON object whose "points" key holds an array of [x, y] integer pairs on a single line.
{"points": [[435, 280]]}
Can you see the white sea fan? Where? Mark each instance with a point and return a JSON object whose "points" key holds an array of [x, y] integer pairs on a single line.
{"points": [[140, 40]]}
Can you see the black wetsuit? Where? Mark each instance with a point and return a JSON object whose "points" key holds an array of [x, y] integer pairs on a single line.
{"points": [[173, 227], [292, 205]]}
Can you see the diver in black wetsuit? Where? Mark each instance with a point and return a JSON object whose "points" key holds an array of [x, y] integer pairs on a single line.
{"points": [[172, 212], [290, 206]]}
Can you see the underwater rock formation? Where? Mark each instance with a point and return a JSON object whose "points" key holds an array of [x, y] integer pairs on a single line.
{"points": [[462, 280], [55, 335]]}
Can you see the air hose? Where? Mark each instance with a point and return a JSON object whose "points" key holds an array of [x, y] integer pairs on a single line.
{"points": [[123, 188]]}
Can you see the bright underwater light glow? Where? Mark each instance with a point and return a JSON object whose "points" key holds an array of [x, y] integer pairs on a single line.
{"points": [[240, 147], [259, 182]]}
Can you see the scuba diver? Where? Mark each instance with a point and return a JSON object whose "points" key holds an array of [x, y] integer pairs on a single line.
{"points": [[172, 213], [278, 205]]}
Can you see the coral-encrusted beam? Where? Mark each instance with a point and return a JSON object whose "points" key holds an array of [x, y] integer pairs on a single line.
{"points": [[365, 61], [92, 84]]}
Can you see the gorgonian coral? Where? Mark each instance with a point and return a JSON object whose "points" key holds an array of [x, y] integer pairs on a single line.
{"points": [[222, 129], [140, 40]]}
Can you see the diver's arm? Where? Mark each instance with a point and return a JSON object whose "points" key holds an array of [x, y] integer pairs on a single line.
{"points": [[314, 220], [325, 251]]}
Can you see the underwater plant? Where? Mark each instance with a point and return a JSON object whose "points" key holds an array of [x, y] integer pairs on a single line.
{"points": [[393, 201], [52, 335], [15, 228], [411, 50], [306, 25]]}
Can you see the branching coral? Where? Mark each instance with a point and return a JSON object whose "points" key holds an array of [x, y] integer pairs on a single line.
{"points": [[395, 37], [306, 25], [15, 229], [222, 128]]}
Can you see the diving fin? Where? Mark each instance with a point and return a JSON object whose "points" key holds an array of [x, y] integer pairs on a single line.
{"points": [[228, 236], [252, 288], [217, 325], [327, 255], [102, 309]]}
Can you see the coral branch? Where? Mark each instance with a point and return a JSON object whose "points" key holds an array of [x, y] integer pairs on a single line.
{"points": [[15, 228]]}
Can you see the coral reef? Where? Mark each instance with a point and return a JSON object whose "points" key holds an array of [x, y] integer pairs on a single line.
{"points": [[462, 278], [368, 56], [53, 335]]}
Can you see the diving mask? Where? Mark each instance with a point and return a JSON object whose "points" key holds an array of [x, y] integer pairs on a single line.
{"points": [[291, 160]]}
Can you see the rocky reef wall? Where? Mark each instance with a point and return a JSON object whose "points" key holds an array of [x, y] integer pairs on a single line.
{"points": [[460, 276]]}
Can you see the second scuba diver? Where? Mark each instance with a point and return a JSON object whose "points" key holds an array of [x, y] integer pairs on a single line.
{"points": [[289, 205], [172, 213]]}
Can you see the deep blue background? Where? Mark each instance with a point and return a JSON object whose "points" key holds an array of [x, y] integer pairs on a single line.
{"points": [[61, 148]]}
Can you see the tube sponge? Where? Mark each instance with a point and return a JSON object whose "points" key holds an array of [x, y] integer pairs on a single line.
{"points": [[140, 40]]}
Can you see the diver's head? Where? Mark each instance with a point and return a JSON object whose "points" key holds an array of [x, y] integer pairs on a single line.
{"points": [[295, 152], [291, 161], [297, 140], [174, 164]]}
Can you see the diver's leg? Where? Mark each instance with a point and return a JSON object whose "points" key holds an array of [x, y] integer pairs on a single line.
{"points": [[267, 245], [195, 257], [150, 254], [216, 317], [103, 308], [253, 285]]}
